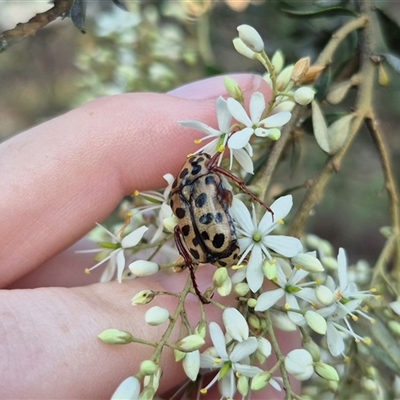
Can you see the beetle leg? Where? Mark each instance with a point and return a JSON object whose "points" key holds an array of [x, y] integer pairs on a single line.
{"points": [[242, 186], [188, 262]]}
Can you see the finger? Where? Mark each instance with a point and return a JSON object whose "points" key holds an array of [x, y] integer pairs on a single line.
{"points": [[49, 346], [66, 174]]}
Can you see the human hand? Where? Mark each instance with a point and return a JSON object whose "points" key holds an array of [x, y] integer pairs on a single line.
{"points": [[59, 178]]}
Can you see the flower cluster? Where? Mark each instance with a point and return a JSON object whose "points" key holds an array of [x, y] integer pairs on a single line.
{"points": [[277, 282]]}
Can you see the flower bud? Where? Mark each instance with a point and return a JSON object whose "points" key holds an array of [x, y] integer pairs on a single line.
{"points": [[156, 315], [179, 355], [251, 38], [307, 262], [201, 329], [251, 302], [260, 381], [312, 348], [242, 49], [144, 268], [148, 367], [304, 96], [143, 297], [316, 322], [300, 69], [326, 371], [241, 289], [369, 385], [264, 346], [269, 269], [147, 393], [283, 79], [191, 343], [115, 336], [233, 88], [254, 322], [329, 263], [324, 295], [220, 276], [243, 385], [128, 389], [278, 61], [394, 327], [170, 223], [226, 288], [299, 363], [274, 134]]}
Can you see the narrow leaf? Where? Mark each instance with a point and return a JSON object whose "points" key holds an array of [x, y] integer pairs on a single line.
{"points": [[338, 92], [319, 126], [78, 14], [338, 133], [318, 12], [393, 61]]}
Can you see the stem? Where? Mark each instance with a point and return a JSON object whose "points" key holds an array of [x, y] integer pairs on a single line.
{"points": [[23, 30], [362, 106], [203, 37], [390, 185], [264, 176], [279, 355]]}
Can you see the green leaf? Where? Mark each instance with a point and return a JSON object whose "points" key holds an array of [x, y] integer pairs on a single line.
{"points": [[320, 127], [78, 14], [318, 12], [120, 4], [393, 61], [390, 31]]}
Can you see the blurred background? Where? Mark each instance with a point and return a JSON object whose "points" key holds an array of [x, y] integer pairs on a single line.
{"points": [[159, 45]]}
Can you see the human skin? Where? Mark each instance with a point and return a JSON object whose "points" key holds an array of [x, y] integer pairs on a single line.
{"points": [[60, 178]]}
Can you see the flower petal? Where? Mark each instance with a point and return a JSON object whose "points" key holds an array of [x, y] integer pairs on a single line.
{"points": [[218, 339], [235, 324], [223, 115], [242, 215], [276, 120], [285, 245], [240, 138], [244, 160], [134, 237], [238, 112], [247, 370], [268, 299], [244, 349], [191, 364], [334, 340], [254, 272], [257, 107]]}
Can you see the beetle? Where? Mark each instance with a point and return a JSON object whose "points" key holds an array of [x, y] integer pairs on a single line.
{"points": [[205, 232]]}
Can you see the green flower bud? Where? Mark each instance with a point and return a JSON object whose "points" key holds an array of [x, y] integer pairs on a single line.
{"points": [[191, 343], [269, 269], [179, 355], [143, 297], [148, 367], [243, 385], [251, 302], [324, 295], [304, 96], [115, 336], [308, 262], [220, 276], [260, 381], [201, 329], [233, 88], [253, 321], [241, 289], [312, 348], [316, 322], [326, 371]]}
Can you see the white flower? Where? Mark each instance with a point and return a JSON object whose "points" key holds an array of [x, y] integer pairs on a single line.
{"points": [[254, 124], [347, 303], [232, 360], [158, 201], [254, 237], [220, 137], [128, 389], [299, 363], [116, 257], [290, 288]]}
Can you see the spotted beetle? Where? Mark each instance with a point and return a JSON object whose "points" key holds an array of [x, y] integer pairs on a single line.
{"points": [[205, 232]]}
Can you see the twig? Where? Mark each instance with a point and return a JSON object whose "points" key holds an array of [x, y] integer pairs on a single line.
{"points": [[391, 186], [23, 30], [363, 104]]}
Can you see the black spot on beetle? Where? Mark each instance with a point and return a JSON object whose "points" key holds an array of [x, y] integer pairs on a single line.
{"points": [[201, 200], [175, 184], [235, 256], [183, 173], [171, 204], [195, 241], [210, 180], [222, 263], [200, 160], [205, 235], [206, 218], [186, 230], [180, 213], [192, 159], [195, 254], [218, 240], [219, 217], [196, 169]]}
